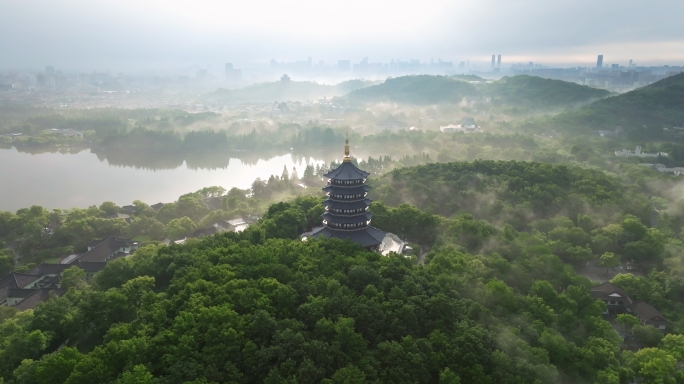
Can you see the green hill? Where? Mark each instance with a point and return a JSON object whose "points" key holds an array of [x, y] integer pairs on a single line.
{"points": [[287, 91], [506, 191], [655, 106], [418, 89], [491, 304], [536, 92], [518, 91]]}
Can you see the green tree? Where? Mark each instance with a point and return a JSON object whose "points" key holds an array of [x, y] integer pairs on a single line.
{"points": [[647, 335], [447, 376], [627, 321], [288, 224], [674, 345], [109, 208], [654, 365], [6, 261], [349, 375], [55, 368], [608, 260], [138, 375], [73, 277], [179, 228]]}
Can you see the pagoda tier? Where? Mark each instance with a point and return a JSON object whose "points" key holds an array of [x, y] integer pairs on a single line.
{"points": [[346, 208]]}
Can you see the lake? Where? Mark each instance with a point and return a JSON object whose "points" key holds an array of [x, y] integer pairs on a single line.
{"points": [[81, 179]]}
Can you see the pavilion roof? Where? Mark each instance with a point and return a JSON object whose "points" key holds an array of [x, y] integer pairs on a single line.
{"points": [[347, 171]]}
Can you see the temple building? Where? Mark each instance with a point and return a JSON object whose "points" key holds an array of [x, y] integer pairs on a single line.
{"points": [[346, 210]]}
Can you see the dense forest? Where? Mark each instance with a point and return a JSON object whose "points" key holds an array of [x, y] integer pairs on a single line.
{"points": [[498, 298], [539, 93], [497, 289]]}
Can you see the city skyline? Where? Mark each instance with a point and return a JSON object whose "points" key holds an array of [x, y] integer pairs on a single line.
{"points": [[127, 35]]}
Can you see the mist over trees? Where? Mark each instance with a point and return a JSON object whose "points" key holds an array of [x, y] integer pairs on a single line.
{"points": [[511, 228]]}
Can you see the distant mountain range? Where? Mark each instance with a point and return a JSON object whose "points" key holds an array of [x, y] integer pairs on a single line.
{"points": [[417, 89], [655, 106], [287, 91], [538, 93], [524, 91]]}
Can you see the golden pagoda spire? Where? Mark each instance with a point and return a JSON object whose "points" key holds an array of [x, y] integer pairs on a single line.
{"points": [[347, 159]]}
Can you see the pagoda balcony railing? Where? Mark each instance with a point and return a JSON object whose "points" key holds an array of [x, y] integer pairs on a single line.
{"points": [[357, 197], [338, 212], [346, 227], [347, 183]]}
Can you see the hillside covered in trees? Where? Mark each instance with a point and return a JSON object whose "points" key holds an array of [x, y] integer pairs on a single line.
{"points": [[539, 93], [650, 108], [497, 300], [517, 91], [418, 89]]}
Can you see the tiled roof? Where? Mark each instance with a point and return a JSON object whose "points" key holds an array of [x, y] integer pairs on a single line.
{"points": [[4, 289], [105, 249], [347, 171], [25, 279], [91, 266], [366, 237], [203, 232], [20, 292], [157, 206], [605, 290], [646, 311], [38, 295], [47, 269]]}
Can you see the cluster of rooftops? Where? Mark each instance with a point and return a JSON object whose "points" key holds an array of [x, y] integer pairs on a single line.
{"points": [[618, 302], [25, 290]]}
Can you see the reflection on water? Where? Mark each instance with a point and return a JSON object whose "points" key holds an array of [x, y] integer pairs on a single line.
{"points": [[78, 178], [203, 160]]}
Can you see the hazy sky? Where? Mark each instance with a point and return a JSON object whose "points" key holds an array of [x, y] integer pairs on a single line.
{"points": [[144, 34]]}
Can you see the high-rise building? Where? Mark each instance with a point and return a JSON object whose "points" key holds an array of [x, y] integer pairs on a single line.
{"points": [[630, 63], [498, 61], [493, 61], [232, 74], [343, 65], [599, 61]]}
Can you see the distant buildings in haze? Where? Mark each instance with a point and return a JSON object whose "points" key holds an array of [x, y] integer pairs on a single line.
{"points": [[467, 125], [233, 75]]}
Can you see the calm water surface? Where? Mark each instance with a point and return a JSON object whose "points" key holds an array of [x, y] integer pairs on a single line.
{"points": [[56, 180]]}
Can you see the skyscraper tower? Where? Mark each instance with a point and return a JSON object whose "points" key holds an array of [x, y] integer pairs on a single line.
{"points": [[599, 62], [493, 61], [498, 61]]}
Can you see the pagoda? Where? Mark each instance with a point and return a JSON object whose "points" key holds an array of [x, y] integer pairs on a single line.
{"points": [[346, 207]]}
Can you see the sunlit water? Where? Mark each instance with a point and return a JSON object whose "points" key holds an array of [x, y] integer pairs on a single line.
{"points": [[56, 180]]}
